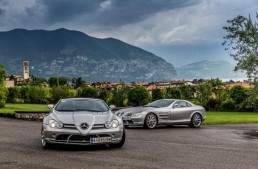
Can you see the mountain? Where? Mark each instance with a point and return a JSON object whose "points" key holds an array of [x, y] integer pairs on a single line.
{"points": [[71, 54], [208, 69]]}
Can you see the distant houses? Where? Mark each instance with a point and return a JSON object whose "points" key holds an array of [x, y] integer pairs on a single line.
{"points": [[25, 78], [19, 80]]}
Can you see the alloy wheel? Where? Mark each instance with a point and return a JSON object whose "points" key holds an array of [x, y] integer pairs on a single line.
{"points": [[196, 120], [151, 121]]}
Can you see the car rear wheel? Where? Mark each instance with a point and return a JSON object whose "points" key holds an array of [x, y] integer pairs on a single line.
{"points": [[196, 120], [150, 121], [119, 145]]}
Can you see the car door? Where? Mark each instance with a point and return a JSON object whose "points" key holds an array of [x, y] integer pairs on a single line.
{"points": [[181, 111]]}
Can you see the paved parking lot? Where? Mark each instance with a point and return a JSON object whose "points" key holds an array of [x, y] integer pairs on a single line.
{"points": [[221, 146]]}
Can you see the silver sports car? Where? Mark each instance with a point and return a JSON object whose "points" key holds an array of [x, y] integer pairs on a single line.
{"points": [[82, 121], [164, 112]]}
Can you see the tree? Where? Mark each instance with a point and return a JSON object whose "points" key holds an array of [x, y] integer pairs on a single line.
{"points": [[158, 94], [120, 96], [3, 89], [138, 96], [106, 96], [52, 81], [13, 94], [186, 92], [238, 94], [61, 92], [173, 93], [242, 37], [205, 90], [90, 92], [77, 82], [38, 81]]}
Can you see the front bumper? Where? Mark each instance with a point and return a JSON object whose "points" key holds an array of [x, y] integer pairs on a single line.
{"points": [[74, 137], [134, 120]]}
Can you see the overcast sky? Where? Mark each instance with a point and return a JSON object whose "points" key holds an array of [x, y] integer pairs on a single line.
{"points": [[180, 31]]}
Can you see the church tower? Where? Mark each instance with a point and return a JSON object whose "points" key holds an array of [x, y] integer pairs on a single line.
{"points": [[26, 70]]}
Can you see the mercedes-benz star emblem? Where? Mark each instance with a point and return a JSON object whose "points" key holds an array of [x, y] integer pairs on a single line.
{"points": [[84, 126]]}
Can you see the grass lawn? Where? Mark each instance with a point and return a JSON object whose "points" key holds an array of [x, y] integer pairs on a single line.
{"points": [[10, 108], [231, 117]]}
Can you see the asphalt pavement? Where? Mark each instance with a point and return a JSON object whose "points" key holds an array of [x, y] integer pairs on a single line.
{"points": [[177, 147]]}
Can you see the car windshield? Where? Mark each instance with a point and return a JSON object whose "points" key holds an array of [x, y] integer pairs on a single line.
{"points": [[82, 105], [160, 103]]}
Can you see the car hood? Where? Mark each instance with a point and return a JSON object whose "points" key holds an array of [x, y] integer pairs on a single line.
{"points": [[132, 110], [78, 118]]}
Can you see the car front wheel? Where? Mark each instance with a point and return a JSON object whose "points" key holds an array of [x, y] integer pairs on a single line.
{"points": [[45, 145], [150, 121], [119, 145], [196, 120]]}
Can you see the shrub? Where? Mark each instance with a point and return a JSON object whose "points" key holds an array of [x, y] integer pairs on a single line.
{"points": [[38, 95], [212, 104], [17, 100], [89, 92], [13, 93], [138, 96], [61, 92], [238, 94], [228, 105], [3, 95], [157, 94]]}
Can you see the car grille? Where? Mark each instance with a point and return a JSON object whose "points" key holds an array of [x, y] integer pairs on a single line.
{"points": [[73, 127], [69, 138], [69, 126]]}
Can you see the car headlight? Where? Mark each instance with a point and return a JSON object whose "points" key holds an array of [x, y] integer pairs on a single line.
{"points": [[53, 123], [135, 114], [113, 124]]}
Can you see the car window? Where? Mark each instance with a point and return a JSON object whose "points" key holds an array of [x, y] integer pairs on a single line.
{"points": [[181, 104], [160, 103]]}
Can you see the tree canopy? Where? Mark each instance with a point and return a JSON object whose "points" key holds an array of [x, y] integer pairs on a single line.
{"points": [[242, 43]]}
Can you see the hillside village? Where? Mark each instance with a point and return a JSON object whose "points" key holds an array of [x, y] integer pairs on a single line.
{"points": [[26, 78]]}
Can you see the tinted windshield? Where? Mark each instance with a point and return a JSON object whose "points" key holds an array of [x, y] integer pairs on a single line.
{"points": [[81, 105], [160, 103]]}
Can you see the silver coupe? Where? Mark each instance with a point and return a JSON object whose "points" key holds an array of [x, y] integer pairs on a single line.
{"points": [[82, 121], [164, 112]]}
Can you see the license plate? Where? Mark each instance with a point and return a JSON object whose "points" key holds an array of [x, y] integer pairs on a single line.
{"points": [[100, 140]]}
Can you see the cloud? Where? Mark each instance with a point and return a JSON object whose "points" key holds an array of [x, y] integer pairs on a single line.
{"points": [[105, 5], [107, 13], [192, 24], [139, 22]]}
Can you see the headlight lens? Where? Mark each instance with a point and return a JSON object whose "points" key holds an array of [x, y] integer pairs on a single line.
{"points": [[135, 114], [113, 124], [53, 123]]}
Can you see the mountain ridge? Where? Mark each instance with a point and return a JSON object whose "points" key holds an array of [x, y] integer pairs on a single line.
{"points": [[206, 69], [72, 53]]}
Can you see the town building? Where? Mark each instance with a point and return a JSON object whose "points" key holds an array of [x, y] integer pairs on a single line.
{"points": [[18, 80]]}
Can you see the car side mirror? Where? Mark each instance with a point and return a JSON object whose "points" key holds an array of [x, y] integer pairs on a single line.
{"points": [[50, 106], [175, 106], [112, 107]]}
